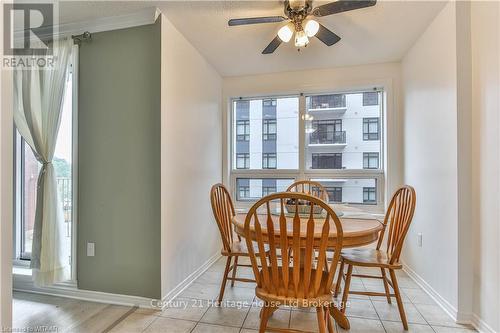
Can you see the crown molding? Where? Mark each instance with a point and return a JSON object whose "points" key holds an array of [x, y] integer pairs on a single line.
{"points": [[141, 17]]}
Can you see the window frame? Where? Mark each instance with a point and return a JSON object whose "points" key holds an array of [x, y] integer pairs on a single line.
{"points": [[368, 155], [266, 134], [267, 157], [246, 161], [370, 92], [246, 134], [303, 173], [329, 154], [366, 135]]}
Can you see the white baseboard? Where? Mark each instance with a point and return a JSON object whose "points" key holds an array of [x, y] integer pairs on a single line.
{"points": [[443, 303], [24, 283], [172, 294], [480, 325], [461, 318]]}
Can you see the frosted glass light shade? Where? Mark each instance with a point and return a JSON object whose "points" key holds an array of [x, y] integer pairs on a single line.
{"points": [[285, 33], [311, 28]]}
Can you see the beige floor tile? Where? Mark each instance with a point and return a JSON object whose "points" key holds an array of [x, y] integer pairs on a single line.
{"points": [[305, 321], [417, 296], [232, 294], [187, 309], [102, 320], [135, 322], [201, 291], [397, 327], [390, 312], [362, 325], [169, 325], [361, 308], [225, 316], [436, 316], [209, 328], [279, 319]]}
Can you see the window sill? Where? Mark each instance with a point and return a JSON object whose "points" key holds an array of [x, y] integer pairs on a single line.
{"points": [[21, 270]]}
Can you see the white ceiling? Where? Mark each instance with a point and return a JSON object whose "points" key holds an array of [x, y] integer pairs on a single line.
{"points": [[378, 34]]}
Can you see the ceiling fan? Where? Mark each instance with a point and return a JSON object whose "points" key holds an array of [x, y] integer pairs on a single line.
{"points": [[297, 13]]}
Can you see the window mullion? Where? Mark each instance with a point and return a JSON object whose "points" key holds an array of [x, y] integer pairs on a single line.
{"points": [[302, 136]]}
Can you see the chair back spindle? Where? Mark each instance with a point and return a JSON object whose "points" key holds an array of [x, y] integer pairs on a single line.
{"points": [[309, 187]]}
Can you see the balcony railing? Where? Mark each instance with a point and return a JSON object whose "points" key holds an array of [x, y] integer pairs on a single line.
{"points": [[327, 137]]}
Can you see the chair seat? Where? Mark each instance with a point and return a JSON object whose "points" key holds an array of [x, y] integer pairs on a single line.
{"points": [[239, 248], [324, 296], [368, 258]]}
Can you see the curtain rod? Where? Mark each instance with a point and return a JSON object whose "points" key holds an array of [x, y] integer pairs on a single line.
{"points": [[78, 39]]}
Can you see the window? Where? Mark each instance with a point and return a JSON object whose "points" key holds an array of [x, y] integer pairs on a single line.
{"points": [[334, 193], [370, 129], [26, 170], [327, 161], [327, 132], [328, 101], [242, 161], [269, 161], [370, 160], [331, 128], [268, 129], [370, 98], [369, 195], [243, 130]]}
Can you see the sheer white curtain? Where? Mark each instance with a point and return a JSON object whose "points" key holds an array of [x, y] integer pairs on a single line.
{"points": [[38, 102]]}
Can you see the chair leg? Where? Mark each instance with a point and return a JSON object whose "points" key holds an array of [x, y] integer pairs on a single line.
{"points": [[235, 266], [224, 280], [386, 285], [398, 299], [320, 313], [339, 279], [329, 321], [346, 288], [263, 318]]}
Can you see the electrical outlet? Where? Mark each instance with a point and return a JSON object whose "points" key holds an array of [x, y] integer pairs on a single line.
{"points": [[90, 249], [419, 239]]}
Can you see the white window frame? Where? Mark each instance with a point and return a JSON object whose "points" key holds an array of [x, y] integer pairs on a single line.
{"points": [[302, 173]]}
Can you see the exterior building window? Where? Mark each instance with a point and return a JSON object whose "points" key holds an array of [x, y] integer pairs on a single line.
{"points": [[370, 160], [327, 132], [269, 102], [243, 130], [269, 161], [370, 98], [243, 191], [269, 129], [327, 161], [328, 101], [334, 193], [267, 190], [370, 129], [369, 195], [242, 161]]}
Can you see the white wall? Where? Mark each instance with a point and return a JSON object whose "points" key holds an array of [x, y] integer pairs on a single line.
{"points": [[327, 80], [191, 157], [430, 153], [485, 18]]}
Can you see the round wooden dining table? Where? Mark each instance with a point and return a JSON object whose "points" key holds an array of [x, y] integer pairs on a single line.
{"points": [[357, 231]]}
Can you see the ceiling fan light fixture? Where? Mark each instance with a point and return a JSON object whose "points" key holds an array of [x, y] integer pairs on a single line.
{"points": [[301, 39], [311, 28], [285, 33]]}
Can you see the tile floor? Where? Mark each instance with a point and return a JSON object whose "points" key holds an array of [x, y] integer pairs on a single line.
{"points": [[194, 311]]}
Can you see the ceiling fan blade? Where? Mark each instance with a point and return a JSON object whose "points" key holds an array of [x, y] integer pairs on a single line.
{"points": [[327, 36], [342, 6], [272, 46], [256, 20]]}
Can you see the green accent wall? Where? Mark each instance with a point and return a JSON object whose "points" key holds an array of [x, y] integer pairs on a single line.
{"points": [[119, 162]]}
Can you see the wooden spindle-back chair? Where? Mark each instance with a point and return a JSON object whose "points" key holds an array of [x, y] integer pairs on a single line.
{"points": [[309, 187], [398, 217], [300, 279], [232, 246]]}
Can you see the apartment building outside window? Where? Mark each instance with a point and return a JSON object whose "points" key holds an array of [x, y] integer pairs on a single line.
{"points": [[370, 98], [327, 161], [369, 195], [370, 160], [269, 129], [242, 161], [318, 137], [269, 161], [370, 129], [243, 130]]}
